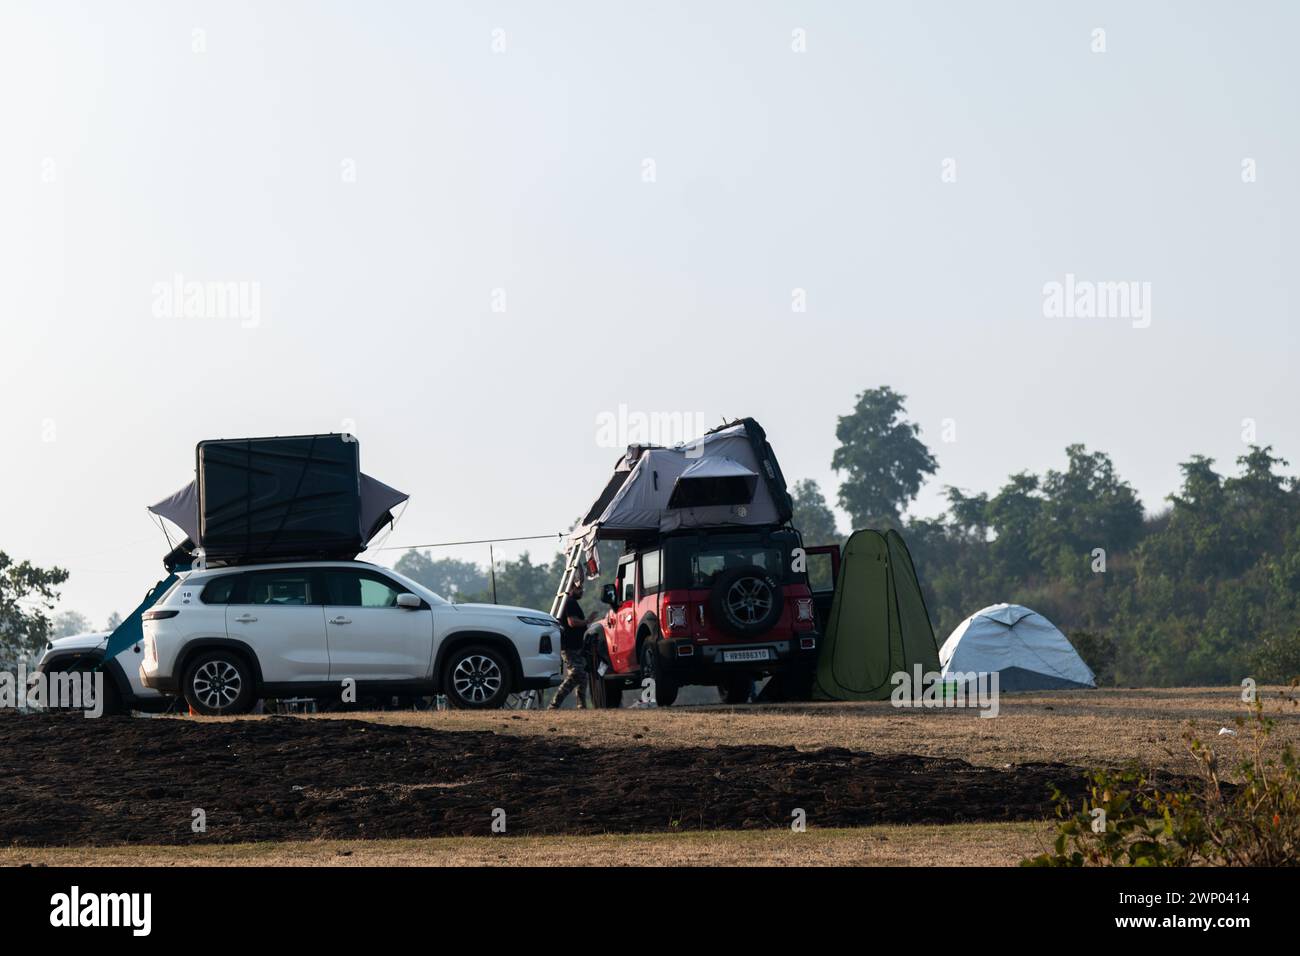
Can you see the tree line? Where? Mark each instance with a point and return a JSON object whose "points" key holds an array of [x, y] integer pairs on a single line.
{"points": [[1203, 590]]}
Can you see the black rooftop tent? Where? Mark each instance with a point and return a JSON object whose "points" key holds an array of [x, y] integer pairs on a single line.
{"points": [[266, 499]]}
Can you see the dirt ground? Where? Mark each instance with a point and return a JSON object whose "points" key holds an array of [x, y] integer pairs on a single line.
{"points": [[65, 780]]}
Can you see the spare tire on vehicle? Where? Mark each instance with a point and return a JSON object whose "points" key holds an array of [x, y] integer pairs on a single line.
{"points": [[746, 601]]}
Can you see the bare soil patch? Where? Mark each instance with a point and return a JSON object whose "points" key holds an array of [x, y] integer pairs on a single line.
{"points": [[66, 780]]}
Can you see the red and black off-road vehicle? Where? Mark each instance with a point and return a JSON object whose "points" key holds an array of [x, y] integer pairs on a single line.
{"points": [[712, 586], [712, 606]]}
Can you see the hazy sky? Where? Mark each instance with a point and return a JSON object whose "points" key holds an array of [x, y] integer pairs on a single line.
{"points": [[450, 240]]}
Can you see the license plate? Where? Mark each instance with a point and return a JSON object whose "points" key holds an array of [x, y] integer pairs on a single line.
{"points": [[759, 654]]}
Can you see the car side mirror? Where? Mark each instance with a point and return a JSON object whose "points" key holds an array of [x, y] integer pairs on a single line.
{"points": [[410, 601], [609, 595]]}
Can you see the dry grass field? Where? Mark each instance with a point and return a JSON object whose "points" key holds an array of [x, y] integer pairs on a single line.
{"points": [[1080, 729], [1089, 728], [975, 844]]}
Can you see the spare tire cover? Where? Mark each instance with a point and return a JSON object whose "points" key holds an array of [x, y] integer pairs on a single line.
{"points": [[746, 601]]}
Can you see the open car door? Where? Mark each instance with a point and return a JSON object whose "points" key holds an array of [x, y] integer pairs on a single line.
{"points": [[823, 573]]}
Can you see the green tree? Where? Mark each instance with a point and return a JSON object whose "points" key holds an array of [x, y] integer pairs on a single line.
{"points": [[883, 460], [1013, 517], [1084, 508], [970, 514], [811, 514], [448, 577], [23, 629], [522, 583]]}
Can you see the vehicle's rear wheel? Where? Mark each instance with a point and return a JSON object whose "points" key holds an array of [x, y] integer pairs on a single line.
{"points": [[736, 689], [665, 687], [218, 683], [476, 677]]}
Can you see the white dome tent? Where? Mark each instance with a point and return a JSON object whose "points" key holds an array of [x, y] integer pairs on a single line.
{"points": [[1023, 647]]}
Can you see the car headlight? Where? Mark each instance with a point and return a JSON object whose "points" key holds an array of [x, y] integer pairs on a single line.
{"points": [[540, 621]]}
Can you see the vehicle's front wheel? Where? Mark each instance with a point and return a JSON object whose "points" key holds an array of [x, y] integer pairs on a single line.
{"points": [[476, 677], [218, 683], [664, 688], [110, 703]]}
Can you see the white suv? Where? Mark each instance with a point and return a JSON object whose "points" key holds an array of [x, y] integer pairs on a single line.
{"points": [[225, 637]]}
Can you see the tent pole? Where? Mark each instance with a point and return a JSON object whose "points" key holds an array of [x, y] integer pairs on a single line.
{"points": [[492, 566]]}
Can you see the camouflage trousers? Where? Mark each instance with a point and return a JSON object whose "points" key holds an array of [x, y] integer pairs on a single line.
{"points": [[575, 677]]}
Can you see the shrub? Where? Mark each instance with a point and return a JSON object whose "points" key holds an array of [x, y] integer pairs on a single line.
{"points": [[1126, 820], [1276, 658]]}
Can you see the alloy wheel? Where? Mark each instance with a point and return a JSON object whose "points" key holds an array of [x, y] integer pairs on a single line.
{"points": [[749, 600], [217, 684], [477, 678]]}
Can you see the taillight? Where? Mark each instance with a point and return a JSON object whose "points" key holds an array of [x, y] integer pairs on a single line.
{"points": [[803, 609], [159, 615], [675, 615]]}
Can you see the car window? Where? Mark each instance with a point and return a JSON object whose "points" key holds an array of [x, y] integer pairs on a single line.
{"points": [[650, 572], [820, 571], [378, 594], [360, 589], [218, 590], [707, 566], [627, 581], [285, 588]]}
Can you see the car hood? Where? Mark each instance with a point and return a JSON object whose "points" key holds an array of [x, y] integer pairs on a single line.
{"points": [[505, 610], [78, 642]]}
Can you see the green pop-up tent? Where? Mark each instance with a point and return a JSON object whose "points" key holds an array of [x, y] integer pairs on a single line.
{"points": [[878, 623]]}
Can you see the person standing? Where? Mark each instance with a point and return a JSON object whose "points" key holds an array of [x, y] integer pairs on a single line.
{"points": [[573, 654]]}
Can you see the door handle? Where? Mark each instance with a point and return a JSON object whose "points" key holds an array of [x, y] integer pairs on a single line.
{"points": [[340, 620], [245, 619]]}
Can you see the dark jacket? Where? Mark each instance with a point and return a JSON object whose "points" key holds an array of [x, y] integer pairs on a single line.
{"points": [[571, 637]]}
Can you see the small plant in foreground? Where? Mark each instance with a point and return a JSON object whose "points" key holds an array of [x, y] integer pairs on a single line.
{"points": [[1126, 820]]}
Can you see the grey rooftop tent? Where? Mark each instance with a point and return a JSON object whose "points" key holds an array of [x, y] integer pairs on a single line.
{"points": [[1023, 647], [279, 498], [878, 624], [729, 476]]}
